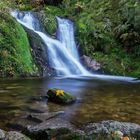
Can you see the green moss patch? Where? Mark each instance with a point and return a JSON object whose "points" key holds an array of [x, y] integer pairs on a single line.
{"points": [[15, 53], [60, 96]]}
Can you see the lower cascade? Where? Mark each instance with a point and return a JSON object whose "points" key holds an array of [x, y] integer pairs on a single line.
{"points": [[62, 51]]}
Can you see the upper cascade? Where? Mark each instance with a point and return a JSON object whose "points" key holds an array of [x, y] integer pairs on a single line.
{"points": [[62, 52]]}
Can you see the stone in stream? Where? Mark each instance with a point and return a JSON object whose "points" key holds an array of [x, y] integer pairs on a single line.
{"points": [[60, 96], [14, 135], [42, 117], [56, 128]]}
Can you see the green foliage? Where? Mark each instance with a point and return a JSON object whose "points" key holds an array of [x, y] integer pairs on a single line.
{"points": [[15, 56], [49, 19], [109, 31]]}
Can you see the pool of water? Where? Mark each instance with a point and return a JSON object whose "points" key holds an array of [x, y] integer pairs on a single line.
{"points": [[99, 99]]}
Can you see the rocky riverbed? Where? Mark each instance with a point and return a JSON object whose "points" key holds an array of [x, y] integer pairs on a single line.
{"points": [[50, 126]]}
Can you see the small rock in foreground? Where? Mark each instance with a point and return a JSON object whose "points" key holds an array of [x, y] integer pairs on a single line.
{"points": [[12, 135], [60, 96]]}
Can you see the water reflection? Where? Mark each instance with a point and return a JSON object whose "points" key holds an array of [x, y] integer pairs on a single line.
{"points": [[98, 99]]}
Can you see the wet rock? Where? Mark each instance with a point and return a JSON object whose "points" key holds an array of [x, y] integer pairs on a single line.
{"points": [[108, 127], [17, 127], [91, 64], [57, 128], [54, 123], [66, 134], [39, 50], [60, 96], [42, 117], [35, 110], [2, 134], [37, 99], [13, 135]]}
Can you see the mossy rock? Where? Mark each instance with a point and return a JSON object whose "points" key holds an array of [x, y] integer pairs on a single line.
{"points": [[60, 96], [15, 52], [65, 134]]}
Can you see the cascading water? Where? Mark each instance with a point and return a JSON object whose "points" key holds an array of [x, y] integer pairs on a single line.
{"points": [[65, 34], [62, 52]]}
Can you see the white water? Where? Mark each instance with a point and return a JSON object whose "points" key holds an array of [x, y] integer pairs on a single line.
{"points": [[63, 55], [62, 52]]}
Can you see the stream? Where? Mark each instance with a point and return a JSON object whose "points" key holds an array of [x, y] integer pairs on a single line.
{"points": [[97, 99]]}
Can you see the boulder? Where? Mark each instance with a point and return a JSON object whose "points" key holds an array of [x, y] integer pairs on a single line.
{"points": [[14, 135], [113, 127], [2, 134], [60, 96], [90, 64], [56, 128]]}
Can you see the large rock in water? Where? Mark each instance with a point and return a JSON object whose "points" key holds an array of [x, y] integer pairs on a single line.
{"points": [[60, 96]]}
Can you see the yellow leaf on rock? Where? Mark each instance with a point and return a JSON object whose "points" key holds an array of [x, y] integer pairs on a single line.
{"points": [[59, 92]]}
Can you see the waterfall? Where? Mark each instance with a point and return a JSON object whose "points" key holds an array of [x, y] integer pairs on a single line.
{"points": [[62, 52]]}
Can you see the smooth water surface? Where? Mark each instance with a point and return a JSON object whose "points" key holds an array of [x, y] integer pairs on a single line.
{"points": [[98, 100]]}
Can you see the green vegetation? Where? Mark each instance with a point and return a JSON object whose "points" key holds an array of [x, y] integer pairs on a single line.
{"points": [[107, 30], [15, 56], [60, 96]]}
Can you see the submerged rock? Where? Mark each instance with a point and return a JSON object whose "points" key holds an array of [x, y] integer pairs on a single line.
{"points": [[42, 117], [60, 96], [57, 128], [55, 123]]}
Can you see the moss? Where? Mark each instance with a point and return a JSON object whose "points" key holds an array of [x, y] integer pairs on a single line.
{"points": [[64, 134], [15, 53], [49, 19], [60, 96]]}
